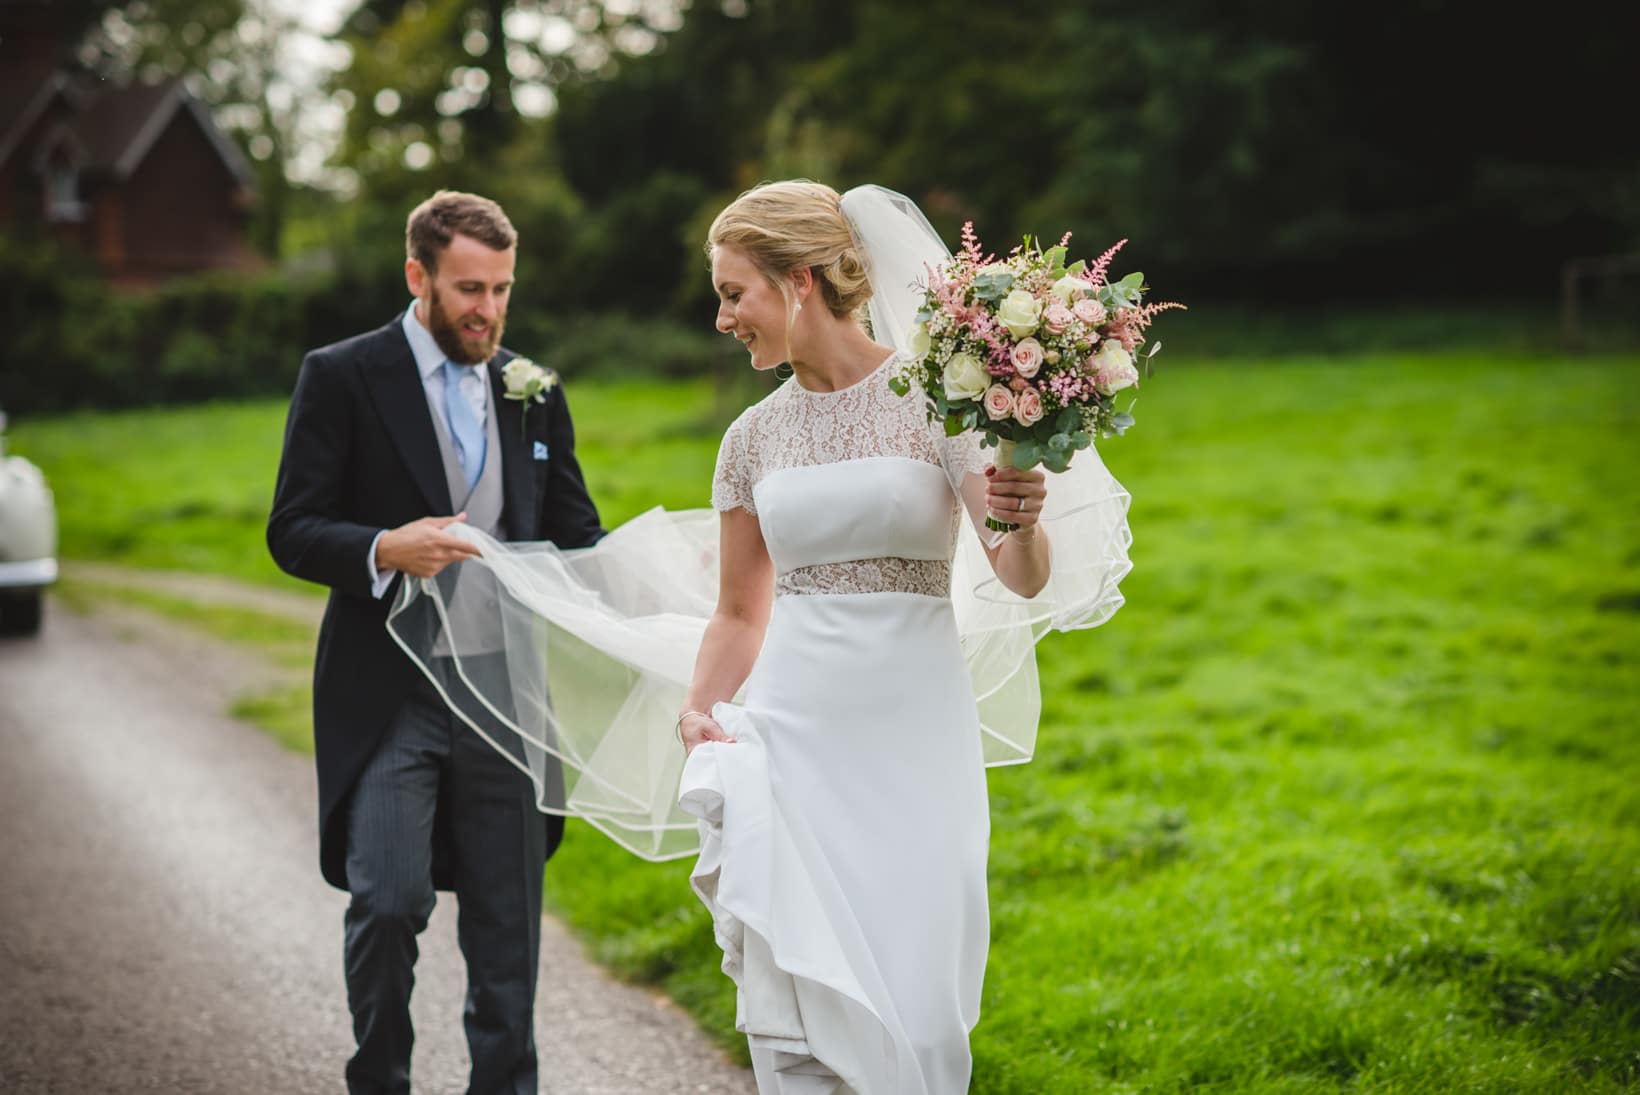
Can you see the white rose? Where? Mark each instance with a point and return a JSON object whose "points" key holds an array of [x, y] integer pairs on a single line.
{"points": [[965, 377], [525, 380], [917, 341], [1020, 313], [517, 373], [1113, 369], [1068, 288]]}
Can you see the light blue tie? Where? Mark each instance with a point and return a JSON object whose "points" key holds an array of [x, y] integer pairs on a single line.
{"points": [[465, 428]]}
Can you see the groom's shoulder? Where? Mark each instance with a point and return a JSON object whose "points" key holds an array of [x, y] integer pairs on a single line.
{"points": [[357, 347]]}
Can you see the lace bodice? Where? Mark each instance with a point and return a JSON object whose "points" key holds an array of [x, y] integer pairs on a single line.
{"points": [[797, 428]]}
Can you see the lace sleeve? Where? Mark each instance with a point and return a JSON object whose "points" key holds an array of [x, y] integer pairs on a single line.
{"points": [[732, 481]]}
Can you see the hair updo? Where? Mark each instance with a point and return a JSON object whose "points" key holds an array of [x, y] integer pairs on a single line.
{"points": [[787, 226]]}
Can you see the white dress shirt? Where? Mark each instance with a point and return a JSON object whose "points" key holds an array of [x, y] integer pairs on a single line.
{"points": [[430, 363]]}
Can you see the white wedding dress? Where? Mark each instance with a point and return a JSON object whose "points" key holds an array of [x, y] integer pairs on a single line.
{"points": [[845, 829], [842, 836]]}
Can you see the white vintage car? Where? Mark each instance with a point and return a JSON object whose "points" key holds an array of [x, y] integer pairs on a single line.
{"points": [[28, 541]]}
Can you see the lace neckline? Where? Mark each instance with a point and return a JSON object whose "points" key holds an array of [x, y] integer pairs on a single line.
{"points": [[810, 393]]}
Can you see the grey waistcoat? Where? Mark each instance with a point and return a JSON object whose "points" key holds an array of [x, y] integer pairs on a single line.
{"points": [[483, 504], [477, 610]]}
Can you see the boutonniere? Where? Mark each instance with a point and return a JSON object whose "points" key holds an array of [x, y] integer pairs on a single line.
{"points": [[528, 383]]}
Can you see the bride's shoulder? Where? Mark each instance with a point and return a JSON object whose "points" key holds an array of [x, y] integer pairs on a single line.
{"points": [[749, 421]]}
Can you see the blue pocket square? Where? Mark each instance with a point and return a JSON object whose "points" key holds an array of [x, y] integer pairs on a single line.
{"points": [[540, 450]]}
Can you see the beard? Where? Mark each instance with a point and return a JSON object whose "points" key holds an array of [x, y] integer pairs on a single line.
{"points": [[458, 346]]}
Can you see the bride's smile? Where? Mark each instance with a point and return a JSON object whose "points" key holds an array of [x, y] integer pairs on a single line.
{"points": [[750, 308]]}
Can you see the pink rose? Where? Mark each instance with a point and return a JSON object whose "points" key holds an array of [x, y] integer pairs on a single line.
{"points": [[1019, 383], [1028, 407], [1089, 311], [999, 402], [1057, 318], [1027, 357]]}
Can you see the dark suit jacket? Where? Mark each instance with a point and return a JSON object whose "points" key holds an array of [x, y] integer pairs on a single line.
{"points": [[360, 455]]}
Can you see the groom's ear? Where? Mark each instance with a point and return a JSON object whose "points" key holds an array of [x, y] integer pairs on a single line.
{"points": [[416, 278]]}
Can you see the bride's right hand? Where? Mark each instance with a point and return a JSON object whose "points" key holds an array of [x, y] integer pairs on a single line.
{"points": [[697, 729]]}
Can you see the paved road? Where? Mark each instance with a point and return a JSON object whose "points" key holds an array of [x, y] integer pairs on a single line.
{"points": [[163, 926]]}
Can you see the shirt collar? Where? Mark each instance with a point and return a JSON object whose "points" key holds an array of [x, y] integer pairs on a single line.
{"points": [[429, 358]]}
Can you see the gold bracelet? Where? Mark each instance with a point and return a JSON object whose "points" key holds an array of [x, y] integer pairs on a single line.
{"points": [[678, 729]]}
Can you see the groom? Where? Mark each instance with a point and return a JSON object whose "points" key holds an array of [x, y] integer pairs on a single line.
{"points": [[393, 436]]}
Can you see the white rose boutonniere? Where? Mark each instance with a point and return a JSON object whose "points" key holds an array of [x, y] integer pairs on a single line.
{"points": [[527, 382]]}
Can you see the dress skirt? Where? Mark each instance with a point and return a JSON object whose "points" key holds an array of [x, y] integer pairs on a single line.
{"points": [[844, 836]]}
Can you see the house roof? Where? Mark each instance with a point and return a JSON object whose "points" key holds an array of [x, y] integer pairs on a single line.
{"points": [[118, 126], [22, 99]]}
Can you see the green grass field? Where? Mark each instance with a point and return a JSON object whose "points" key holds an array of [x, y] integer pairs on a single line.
{"points": [[1346, 798]]}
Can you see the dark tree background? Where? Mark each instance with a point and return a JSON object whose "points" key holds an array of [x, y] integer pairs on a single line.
{"points": [[1261, 155]]}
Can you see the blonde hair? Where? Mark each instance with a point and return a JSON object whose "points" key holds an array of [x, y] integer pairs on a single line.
{"points": [[792, 225]]}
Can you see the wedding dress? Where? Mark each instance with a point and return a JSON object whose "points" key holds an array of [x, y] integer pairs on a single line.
{"points": [[845, 829]]}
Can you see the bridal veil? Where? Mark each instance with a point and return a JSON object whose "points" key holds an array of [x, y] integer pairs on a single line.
{"points": [[574, 664]]}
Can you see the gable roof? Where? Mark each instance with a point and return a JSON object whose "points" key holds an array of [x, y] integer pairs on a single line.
{"points": [[118, 126], [21, 102]]}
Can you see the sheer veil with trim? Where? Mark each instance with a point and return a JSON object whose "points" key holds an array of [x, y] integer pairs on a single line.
{"points": [[574, 663]]}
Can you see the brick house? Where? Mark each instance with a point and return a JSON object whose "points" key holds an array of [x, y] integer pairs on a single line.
{"points": [[138, 177]]}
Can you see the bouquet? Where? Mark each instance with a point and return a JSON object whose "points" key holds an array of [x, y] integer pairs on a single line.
{"points": [[1029, 352]]}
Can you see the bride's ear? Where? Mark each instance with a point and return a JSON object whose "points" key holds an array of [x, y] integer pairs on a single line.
{"points": [[802, 283]]}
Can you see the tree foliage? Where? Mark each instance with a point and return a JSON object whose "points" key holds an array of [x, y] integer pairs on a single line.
{"points": [[1266, 148]]}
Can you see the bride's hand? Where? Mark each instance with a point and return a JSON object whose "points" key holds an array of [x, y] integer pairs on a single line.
{"points": [[1015, 496], [697, 729]]}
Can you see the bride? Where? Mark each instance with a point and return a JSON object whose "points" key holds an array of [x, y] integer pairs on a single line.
{"points": [[841, 666]]}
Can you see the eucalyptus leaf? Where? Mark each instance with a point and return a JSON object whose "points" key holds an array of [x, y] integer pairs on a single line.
{"points": [[953, 425], [899, 385], [1059, 442], [993, 286]]}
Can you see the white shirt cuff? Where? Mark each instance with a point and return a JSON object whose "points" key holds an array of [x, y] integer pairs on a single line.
{"points": [[379, 580]]}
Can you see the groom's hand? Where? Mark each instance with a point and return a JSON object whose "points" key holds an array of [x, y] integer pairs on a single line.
{"points": [[422, 548]]}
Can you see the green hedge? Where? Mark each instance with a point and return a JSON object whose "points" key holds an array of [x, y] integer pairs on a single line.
{"points": [[71, 342]]}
